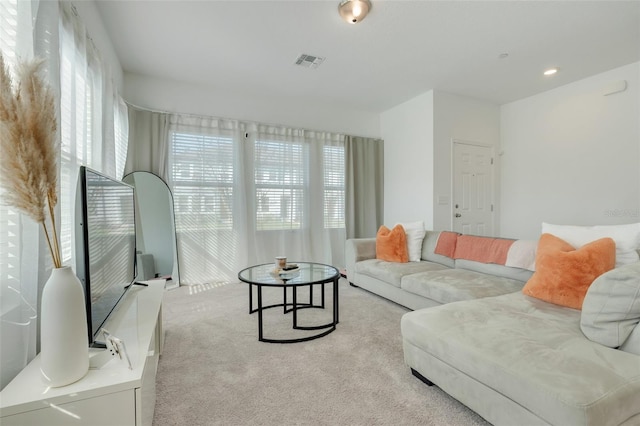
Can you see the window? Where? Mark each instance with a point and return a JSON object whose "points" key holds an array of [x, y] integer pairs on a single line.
{"points": [[121, 136], [9, 217], [240, 196], [334, 196], [281, 184], [52, 30], [201, 173], [93, 120], [76, 132]]}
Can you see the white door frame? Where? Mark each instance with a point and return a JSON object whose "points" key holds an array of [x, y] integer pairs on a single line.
{"points": [[455, 142]]}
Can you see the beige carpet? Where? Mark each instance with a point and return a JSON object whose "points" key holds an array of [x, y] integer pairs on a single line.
{"points": [[213, 370]]}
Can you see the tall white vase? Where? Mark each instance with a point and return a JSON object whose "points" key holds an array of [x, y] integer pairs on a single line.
{"points": [[64, 344]]}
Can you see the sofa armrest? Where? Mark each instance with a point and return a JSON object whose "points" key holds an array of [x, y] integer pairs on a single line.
{"points": [[357, 249]]}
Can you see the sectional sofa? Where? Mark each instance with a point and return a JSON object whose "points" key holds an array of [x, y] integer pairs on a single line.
{"points": [[437, 279], [512, 358]]}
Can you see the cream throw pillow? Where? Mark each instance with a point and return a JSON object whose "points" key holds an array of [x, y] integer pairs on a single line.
{"points": [[415, 234], [626, 237]]}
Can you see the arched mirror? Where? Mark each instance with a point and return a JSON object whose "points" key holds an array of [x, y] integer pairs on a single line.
{"points": [[155, 228]]}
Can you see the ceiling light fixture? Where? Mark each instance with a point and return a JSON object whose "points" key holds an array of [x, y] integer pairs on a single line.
{"points": [[551, 71], [354, 11]]}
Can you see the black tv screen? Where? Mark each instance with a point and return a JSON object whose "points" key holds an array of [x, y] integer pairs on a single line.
{"points": [[105, 245]]}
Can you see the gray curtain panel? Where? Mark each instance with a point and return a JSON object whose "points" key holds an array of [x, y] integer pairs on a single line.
{"points": [[148, 142], [364, 186]]}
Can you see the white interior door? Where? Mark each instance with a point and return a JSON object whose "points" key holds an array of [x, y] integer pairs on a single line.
{"points": [[472, 189]]}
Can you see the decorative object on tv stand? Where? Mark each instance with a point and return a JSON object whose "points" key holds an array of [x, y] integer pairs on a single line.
{"points": [[28, 178]]}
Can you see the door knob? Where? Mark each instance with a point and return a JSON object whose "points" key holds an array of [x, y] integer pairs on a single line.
{"points": [[458, 215]]}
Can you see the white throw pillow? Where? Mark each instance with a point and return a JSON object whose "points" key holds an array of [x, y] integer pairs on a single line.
{"points": [[626, 237], [415, 234], [611, 307]]}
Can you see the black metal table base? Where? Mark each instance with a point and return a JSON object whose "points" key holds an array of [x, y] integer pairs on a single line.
{"points": [[285, 304], [295, 307]]}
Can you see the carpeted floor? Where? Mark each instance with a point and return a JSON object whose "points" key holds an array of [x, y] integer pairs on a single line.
{"points": [[213, 370]]}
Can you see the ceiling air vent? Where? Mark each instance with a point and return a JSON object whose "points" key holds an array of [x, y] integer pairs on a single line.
{"points": [[309, 61]]}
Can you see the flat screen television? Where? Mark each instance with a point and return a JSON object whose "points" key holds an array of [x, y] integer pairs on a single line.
{"points": [[105, 245]]}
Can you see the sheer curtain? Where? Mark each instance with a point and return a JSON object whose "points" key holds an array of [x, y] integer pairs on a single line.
{"points": [[148, 150], [206, 176], [93, 131], [246, 192], [93, 122], [20, 257], [296, 195]]}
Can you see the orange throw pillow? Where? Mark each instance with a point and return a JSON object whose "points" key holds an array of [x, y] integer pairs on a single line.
{"points": [[563, 274], [391, 245]]}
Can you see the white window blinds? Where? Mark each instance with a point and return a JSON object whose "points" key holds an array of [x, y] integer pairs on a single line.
{"points": [[9, 217], [334, 178], [93, 119], [280, 182], [201, 172], [245, 192], [76, 130]]}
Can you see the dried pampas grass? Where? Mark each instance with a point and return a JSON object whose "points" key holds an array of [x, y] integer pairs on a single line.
{"points": [[28, 170]]}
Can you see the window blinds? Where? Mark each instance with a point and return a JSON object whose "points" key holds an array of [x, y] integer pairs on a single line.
{"points": [[9, 217], [201, 172], [280, 183]]}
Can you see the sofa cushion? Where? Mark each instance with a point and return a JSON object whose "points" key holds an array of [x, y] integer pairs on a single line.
{"points": [[611, 307], [452, 285], [392, 272], [497, 270], [563, 274], [626, 237], [391, 244], [532, 352], [428, 250], [522, 254]]}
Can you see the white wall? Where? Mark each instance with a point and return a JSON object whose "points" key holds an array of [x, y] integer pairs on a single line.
{"points": [[572, 156], [465, 119], [407, 130], [175, 96], [417, 153]]}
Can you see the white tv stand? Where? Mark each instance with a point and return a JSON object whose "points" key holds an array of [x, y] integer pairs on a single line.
{"points": [[110, 395]]}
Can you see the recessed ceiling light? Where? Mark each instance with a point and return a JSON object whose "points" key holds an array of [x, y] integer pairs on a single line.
{"points": [[551, 71], [503, 55]]}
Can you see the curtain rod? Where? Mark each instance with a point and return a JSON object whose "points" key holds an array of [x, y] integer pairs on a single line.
{"points": [[158, 111]]}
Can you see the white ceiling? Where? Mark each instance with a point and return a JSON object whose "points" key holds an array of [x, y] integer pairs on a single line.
{"points": [[402, 49]]}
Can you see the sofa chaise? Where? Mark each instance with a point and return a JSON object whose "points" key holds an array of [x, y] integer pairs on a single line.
{"points": [[512, 358]]}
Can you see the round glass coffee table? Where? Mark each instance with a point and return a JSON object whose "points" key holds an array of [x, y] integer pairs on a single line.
{"points": [[307, 274]]}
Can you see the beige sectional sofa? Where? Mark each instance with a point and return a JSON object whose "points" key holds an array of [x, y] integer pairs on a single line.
{"points": [[433, 281], [513, 359]]}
